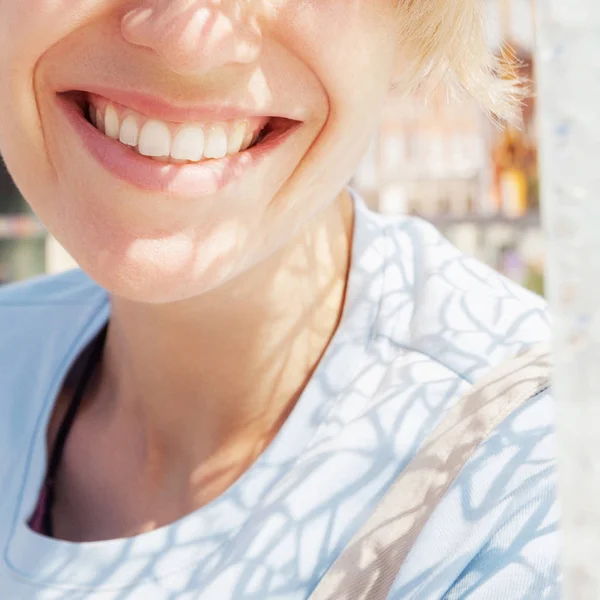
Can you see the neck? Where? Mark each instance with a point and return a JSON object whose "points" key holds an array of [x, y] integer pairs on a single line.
{"points": [[225, 369]]}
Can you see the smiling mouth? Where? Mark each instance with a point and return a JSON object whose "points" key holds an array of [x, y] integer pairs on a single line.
{"points": [[178, 143]]}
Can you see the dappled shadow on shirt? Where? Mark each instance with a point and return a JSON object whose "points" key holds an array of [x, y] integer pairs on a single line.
{"points": [[421, 323], [368, 566]]}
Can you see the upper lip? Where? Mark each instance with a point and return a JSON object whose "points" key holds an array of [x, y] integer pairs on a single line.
{"points": [[158, 108]]}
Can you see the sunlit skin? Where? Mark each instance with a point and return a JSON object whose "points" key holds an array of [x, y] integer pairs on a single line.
{"points": [[223, 304]]}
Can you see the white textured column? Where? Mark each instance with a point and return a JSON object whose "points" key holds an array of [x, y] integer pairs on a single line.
{"points": [[569, 77]]}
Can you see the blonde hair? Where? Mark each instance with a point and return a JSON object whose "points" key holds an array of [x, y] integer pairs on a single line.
{"points": [[444, 42]]}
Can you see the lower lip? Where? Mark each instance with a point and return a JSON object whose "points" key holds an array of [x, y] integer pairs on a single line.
{"points": [[201, 179]]}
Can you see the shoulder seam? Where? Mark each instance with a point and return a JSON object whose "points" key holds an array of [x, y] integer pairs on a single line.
{"points": [[400, 346]]}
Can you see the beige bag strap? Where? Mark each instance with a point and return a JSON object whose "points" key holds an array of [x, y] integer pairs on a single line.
{"points": [[367, 567]]}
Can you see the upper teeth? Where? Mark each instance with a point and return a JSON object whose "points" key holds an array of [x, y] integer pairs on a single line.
{"points": [[169, 141]]}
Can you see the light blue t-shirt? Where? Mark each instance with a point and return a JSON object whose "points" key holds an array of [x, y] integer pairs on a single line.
{"points": [[421, 323]]}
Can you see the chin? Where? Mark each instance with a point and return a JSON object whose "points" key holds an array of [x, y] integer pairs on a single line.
{"points": [[151, 286], [139, 262], [156, 277]]}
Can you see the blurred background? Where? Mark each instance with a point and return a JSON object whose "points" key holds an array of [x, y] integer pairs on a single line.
{"points": [[434, 156]]}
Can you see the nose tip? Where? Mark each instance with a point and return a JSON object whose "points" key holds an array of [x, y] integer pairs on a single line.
{"points": [[195, 36]]}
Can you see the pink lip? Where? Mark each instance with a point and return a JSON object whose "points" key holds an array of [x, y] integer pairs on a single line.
{"points": [[191, 180]]}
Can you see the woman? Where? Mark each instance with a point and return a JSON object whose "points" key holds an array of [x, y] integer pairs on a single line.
{"points": [[251, 357]]}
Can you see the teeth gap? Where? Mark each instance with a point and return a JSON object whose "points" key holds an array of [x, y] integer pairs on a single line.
{"points": [[266, 130], [87, 112]]}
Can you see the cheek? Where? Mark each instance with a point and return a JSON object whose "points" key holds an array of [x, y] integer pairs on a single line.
{"points": [[355, 70], [28, 29], [355, 67], [350, 45]]}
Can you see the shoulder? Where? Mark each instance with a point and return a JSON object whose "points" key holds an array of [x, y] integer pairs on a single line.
{"points": [[495, 532], [445, 305], [42, 307], [65, 289], [39, 316], [42, 324]]}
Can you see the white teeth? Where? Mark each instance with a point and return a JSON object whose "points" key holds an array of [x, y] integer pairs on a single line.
{"points": [[216, 142], [188, 144], [155, 139], [111, 122], [171, 142], [247, 141], [236, 138], [130, 132]]}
